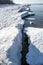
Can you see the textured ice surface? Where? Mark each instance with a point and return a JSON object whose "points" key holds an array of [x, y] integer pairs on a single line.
{"points": [[9, 15], [10, 46], [11, 25], [10, 35], [35, 54]]}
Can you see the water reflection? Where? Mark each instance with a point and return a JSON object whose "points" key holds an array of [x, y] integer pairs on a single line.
{"points": [[29, 22], [33, 21], [37, 19]]}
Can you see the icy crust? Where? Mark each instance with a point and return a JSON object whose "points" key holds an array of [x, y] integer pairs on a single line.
{"points": [[35, 53], [10, 46], [9, 15], [11, 25]]}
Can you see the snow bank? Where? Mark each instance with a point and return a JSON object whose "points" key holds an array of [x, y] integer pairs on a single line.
{"points": [[35, 54], [10, 46]]}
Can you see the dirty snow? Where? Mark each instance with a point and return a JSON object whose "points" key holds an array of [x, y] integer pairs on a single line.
{"points": [[35, 54]]}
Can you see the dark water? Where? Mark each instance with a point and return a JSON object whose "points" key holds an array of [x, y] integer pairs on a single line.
{"points": [[38, 18]]}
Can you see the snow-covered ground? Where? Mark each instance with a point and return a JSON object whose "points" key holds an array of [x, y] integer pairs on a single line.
{"points": [[8, 16], [10, 35], [10, 46], [35, 53]]}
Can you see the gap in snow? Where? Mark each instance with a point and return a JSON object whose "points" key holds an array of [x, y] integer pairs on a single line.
{"points": [[24, 47]]}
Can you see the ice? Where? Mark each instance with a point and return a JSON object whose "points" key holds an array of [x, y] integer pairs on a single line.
{"points": [[10, 46], [35, 53], [11, 24], [10, 35], [9, 15]]}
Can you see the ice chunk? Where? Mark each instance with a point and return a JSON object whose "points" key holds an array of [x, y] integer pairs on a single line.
{"points": [[35, 53]]}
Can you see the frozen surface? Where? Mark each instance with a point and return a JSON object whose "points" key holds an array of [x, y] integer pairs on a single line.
{"points": [[11, 25], [10, 46], [10, 35], [35, 54], [9, 15]]}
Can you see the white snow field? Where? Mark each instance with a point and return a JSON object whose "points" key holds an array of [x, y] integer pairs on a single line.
{"points": [[35, 53], [10, 35]]}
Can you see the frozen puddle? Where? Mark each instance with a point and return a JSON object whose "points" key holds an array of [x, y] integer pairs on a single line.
{"points": [[35, 54]]}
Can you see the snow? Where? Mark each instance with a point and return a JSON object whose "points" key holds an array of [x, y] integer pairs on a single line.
{"points": [[8, 16], [10, 35], [35, 49], [10, 46], [11, 24]]}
